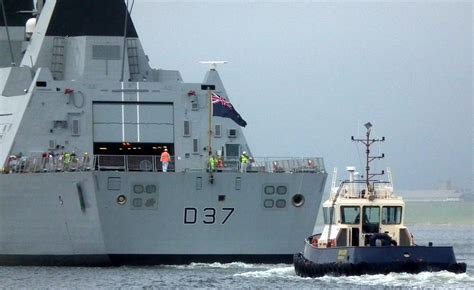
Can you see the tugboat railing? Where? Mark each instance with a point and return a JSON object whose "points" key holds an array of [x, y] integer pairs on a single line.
{"points": [[359, 189], [152, 163]]}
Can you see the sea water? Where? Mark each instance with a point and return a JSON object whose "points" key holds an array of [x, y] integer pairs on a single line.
{"points": [[443, 223]]}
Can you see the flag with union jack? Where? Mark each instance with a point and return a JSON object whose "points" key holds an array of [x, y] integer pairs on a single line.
{"points": [[223, 108]]}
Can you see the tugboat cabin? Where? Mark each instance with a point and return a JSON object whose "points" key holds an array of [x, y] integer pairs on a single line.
{"points": [[358, 215]]}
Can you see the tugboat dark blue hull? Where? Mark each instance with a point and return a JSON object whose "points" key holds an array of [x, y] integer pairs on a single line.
{"points": [[349, 261]]}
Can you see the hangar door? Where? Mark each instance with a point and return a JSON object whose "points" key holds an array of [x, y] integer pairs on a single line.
{"points": [[133, 122]]}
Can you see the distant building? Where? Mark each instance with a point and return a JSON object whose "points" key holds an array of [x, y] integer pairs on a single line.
{"points": [[431, 195]]}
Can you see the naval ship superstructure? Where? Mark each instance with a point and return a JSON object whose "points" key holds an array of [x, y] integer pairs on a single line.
{"points": [[83, 121]]}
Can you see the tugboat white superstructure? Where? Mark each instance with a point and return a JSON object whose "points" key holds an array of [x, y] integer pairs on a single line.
{"points": [[364, 231], [84, 119]]}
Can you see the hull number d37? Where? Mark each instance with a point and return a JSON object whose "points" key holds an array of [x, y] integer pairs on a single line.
{"points": [[207, 216]]}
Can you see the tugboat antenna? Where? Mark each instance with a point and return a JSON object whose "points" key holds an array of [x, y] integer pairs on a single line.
{"points": [[368, 142]]}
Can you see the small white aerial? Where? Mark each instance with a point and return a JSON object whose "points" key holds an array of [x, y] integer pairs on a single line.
{"points": [[350, 168], [213, 63]]}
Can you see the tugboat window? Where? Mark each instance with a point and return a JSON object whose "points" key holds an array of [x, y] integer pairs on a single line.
{"points": [[371, 220], [327, 212], [391, 215], [350, 215]]}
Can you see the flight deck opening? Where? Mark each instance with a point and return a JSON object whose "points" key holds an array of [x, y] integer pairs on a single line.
{"points": [[127, 156]]}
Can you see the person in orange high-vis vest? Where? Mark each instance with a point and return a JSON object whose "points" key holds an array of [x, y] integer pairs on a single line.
{"points": [[165, 159]]}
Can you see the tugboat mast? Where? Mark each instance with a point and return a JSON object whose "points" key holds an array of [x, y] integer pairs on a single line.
{"points": [[368, 142]]}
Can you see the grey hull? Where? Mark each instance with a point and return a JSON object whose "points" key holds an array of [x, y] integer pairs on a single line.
{"points": [[76, 219]]}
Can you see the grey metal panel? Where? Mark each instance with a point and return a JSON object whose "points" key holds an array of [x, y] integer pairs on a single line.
{"points": [[153, 121], [106, 52], [156, 114], [131, 133], [107, 113], [107, 133], [156, 133], [130, 114]]}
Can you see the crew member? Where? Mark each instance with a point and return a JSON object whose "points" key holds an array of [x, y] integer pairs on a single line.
{"points": [[165, 159], [212, 163], [220, 162], [244, 161], [66, 160]]}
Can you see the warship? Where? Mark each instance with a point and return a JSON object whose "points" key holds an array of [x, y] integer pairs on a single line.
{"points": [[84, 120]]}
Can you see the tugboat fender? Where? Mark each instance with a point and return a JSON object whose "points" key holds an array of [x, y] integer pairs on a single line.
{"points": [[457, 268], [384, 238]]}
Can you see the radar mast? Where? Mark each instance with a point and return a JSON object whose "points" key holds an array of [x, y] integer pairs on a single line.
{"points": [[368, 142]]}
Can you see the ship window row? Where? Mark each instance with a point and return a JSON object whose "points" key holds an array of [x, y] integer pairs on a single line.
{"points": [[350, 215], [270, 203], [270, 189]]}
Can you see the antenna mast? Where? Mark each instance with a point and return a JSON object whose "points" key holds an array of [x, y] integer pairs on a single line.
{"points": [[368, 142], [8, 32]]}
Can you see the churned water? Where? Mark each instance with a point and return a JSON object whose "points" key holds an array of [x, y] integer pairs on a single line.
{"points": [[456, 228]]}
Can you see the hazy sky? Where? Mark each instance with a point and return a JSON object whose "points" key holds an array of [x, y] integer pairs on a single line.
{"points": [[307, 75]]}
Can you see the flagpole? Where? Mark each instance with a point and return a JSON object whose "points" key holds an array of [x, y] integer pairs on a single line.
{"points": [[211, 174], [209, 147]]}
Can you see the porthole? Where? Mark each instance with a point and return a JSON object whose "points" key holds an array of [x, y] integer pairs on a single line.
{"points": [[268, 203], [137, 202], [138, 188], [297, 200], [281, 190], [150, 188], [121, 199], [281, 203], [269, 189]]}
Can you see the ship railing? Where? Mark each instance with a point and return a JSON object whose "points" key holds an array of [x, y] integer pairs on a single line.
{"points": [[152, 163], [289, 164], [359, 189], [257, 164], [58, 163], [131, 163]]}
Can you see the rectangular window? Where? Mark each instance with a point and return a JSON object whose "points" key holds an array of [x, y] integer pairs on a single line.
{"points": [[217, 131], [328, 215], [75, 129], [350, 215], [195, 146], [232, 151], [198, 183], [187, 129], [232, 133], [59, 124], [392, 215], [52, 144], [194, 106], [371, 219]]}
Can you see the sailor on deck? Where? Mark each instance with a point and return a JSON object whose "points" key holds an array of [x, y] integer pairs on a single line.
{"points": [[165, 159], [244, 161]]}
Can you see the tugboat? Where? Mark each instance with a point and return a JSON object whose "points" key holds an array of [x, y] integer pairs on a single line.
{"points": [[364, 231]]}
